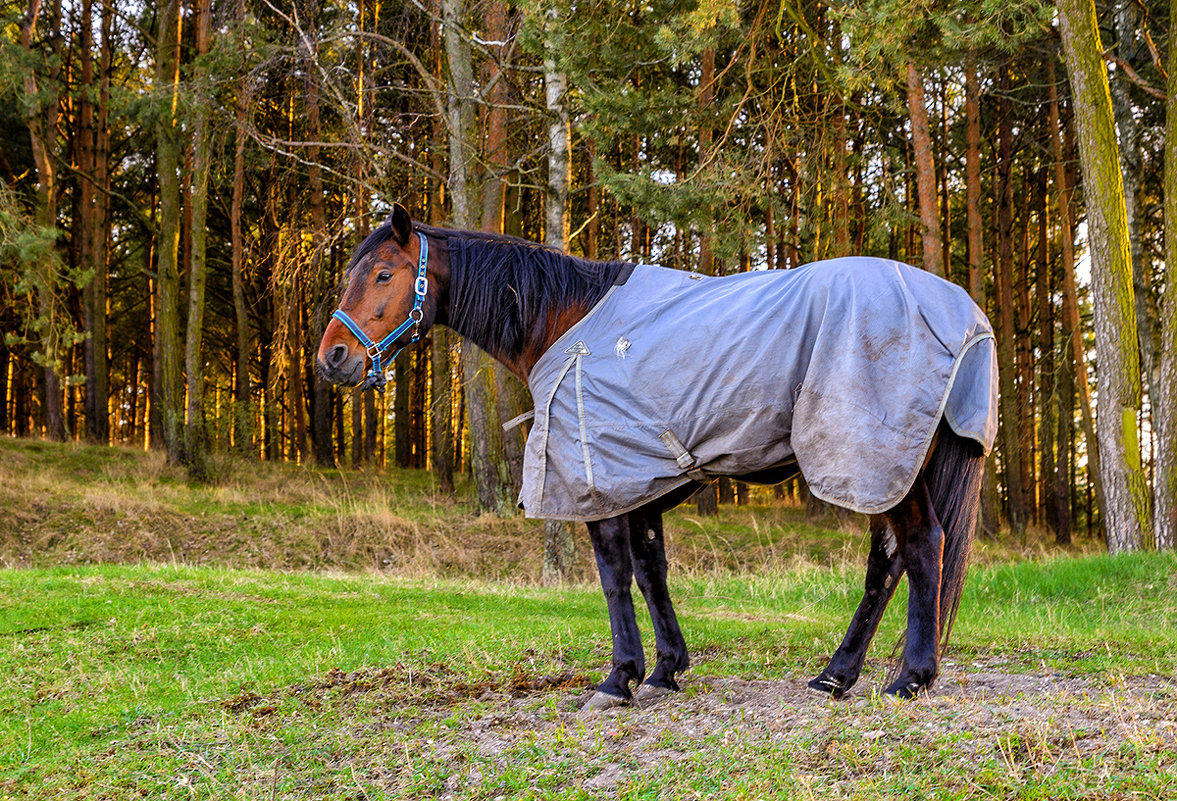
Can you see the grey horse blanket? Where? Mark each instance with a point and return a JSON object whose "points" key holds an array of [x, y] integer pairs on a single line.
{"points": [[843, 367]]}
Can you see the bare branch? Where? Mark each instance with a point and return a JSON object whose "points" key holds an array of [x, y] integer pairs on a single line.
{"points": [[1132, 75]]}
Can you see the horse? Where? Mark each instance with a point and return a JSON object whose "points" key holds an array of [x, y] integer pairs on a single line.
{"points": [[529, 307]]}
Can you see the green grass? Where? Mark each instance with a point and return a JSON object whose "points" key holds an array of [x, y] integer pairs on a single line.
{"points": [[403, 649], [117, 679]]}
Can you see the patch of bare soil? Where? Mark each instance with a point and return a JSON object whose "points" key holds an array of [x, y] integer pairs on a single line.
{"points": [[984, 732], [1035, 721]]}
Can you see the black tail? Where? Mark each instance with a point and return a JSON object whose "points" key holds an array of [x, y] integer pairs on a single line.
{"points": [[954, 478]]}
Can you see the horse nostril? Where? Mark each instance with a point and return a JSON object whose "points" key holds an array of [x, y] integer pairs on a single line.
{"points": [[337, 355]]}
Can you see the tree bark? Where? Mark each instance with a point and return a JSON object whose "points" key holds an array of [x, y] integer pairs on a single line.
{"points": [[167, 400], [990, 515], [42, 118], [1126, 498], [1128, 26], [321, 279], [1076, 371], [242, 414], [973, 178], [195, 446], [92, 164], [441, 339], [706, 98], [1047, 397], [559, 546], [491, 474], [925, 167], [1165, 411], [1011, 445]]}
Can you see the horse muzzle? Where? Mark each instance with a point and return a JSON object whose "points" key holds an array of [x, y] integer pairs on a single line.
{"points": [[339, 366]]}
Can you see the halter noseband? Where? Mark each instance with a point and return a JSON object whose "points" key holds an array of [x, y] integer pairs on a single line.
{"points": [[375, 378]]}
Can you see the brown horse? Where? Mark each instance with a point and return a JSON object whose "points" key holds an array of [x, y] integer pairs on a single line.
{"points": [[515, 300]]}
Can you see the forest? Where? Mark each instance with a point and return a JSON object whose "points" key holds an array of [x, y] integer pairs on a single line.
{"points": [[184, 181]]}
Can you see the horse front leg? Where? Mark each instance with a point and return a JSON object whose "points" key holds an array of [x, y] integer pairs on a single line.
{"points": [[884, 566], [921, 544], [648, 552], [610, 538]]}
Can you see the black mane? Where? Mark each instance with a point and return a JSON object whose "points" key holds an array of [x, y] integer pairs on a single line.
{"points": [[503, 290]]}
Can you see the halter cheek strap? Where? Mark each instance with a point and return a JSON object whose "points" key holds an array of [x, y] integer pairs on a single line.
{"points": [[375, 378]]}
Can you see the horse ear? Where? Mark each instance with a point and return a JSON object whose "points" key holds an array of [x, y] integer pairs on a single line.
{"points": [[402, 224]]}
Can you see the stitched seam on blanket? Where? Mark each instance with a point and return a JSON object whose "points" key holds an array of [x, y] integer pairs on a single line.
{"points": [[543, 451], [584, 448]]}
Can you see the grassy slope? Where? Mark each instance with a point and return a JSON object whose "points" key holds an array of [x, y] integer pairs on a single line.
{"points": [[82, 504], [176, 680]]}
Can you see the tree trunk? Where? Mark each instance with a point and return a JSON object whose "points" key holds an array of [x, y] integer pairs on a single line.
{"points": [[321, 277], [559, 546], [242, 415], [1072, 333], [1011, 446], [706, 98], [195, 447], [357, 428], [973, 178], [1128, 27], [925, 168], [990, 515], [1126, 497], [1023, 327], [168, 400], [42, 118], [1165, 411], [1047, 397], [441, 339], [5, 371], [92, 164], [491, 474], [402, 447]]}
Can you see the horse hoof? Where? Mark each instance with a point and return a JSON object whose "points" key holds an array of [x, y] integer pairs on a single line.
{"points": [[602, 701], [898, 693], [828, 686], [648, 693]]}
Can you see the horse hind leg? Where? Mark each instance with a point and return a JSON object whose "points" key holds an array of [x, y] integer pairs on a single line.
{"points": [[921, 545], [884, 567], [648, 555], [610, 538]]}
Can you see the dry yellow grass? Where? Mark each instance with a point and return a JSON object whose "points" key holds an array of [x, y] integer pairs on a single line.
{"points": [[72, 503]]}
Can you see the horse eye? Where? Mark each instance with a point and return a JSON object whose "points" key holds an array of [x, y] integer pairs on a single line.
{"points": [[384, 277]]}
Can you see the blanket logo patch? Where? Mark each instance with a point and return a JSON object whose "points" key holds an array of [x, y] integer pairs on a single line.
{"points": [[578, 348]]}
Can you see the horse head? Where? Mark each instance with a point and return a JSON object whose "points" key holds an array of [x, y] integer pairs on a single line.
{"points": [[390, 299]]}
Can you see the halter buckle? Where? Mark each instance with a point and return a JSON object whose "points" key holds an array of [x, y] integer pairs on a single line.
{"points": [[421, 286]]}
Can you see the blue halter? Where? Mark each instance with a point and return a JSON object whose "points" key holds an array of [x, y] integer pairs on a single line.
{"points": [[375, 378]]}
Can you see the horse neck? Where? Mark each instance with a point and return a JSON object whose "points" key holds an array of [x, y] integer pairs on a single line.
{"points": [[516, 315]]}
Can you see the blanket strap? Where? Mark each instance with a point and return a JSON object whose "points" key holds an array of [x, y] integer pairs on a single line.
{"points": [[682, 456], [518, 420]]}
